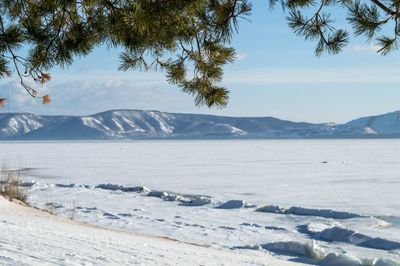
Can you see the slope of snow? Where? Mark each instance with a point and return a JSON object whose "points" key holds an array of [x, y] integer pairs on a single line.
{"points": [[339, 233], [233, 224], [33, 237], [18, 124], [386, 124]]}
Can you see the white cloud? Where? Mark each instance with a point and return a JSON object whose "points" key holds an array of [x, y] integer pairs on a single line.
{"points": [[99, 91], [363, 48], [85, 95], [113, 82]]}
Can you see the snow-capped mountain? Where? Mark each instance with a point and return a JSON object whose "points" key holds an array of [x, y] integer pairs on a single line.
{"points": [[20, 124], [379, 125], [137, 124]]}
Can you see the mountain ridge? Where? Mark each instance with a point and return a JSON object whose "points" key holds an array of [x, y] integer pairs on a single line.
{"points": [[152, 124]]}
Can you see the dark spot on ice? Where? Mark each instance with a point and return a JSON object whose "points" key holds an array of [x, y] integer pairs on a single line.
{"points": [[251, 225], [90, 209], [198, 225], [227, 227], [125, 214], [191, 225], [246, 193], [65, 185], [110, 216], [157, 194], [275, 228], [235, 204], [55, 205]]}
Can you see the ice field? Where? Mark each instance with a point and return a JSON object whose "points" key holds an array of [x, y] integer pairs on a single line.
{"points": [[323, 202]]}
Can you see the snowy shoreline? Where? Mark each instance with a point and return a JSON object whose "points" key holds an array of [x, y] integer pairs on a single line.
{"points": [[34, 237], [314, 236]]}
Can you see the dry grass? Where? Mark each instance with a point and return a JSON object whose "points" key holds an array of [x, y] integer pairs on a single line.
{"points": [[10, 185], [72, 211]]}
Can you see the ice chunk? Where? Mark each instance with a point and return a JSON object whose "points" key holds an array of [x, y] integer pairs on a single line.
{"points": [[198, 201], [139, 189], [340, 234], [312, 250], [317, 253], [333, 259], [109, 186], [326, 213], [385, 262], [157, 194], [271, 208], [234, 204]]}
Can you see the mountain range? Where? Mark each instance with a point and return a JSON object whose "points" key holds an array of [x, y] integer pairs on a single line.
{"points": [[138, 124]]}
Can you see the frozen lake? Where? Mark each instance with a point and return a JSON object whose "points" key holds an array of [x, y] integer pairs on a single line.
{"points": [[344, 194], [357, 175]]}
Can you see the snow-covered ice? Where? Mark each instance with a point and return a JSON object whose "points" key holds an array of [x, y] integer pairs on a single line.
{"points": [[274, 197], [32, 237]]}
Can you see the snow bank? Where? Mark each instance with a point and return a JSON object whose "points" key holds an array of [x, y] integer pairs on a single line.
{"points": [[394, 220], [295, 248], [323, 258], [38, 238], [339, 233], [325, 213], [333, 259], [183, 199], [243, 224]]}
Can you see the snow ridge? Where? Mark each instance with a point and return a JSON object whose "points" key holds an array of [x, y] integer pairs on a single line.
{"points": [[318, 246]]}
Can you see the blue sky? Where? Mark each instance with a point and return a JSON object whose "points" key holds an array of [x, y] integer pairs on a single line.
{"points": [[276, 74]]}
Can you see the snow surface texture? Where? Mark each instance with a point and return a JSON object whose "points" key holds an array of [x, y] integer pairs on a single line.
{"points": [[137, 124], [203, 225], [32, 237], [318, 202]]}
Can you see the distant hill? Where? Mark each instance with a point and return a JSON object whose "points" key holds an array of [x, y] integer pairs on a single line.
{"points": [[138, 124], [386, 125]]}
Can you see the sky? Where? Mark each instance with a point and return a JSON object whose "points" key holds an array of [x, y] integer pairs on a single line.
{"points": [[276, 74]]}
